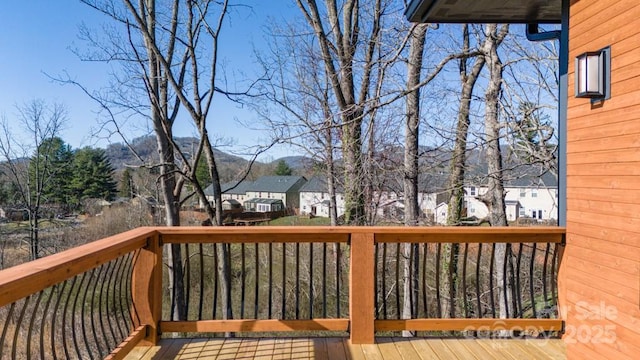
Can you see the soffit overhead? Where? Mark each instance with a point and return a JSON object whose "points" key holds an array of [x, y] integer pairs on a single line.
{"points": [[484, 11]]}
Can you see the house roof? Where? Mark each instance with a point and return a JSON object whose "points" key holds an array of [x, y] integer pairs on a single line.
{"points": [[484, 11], [264, 201], [277, 184], [232, 187], [232, 201], [318, 184]]}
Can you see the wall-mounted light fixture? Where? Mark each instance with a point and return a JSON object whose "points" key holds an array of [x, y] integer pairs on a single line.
{"points": [[593, 72]]}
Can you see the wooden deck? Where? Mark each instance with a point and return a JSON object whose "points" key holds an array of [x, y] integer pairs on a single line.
{"points": [[340, 348]]}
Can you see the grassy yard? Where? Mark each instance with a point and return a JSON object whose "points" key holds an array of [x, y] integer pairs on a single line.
{"points": [[299, 221]]}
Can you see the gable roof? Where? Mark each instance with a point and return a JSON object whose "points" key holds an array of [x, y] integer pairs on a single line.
{"points": [[230, 188], [277, 184], [318, 184], [234, 187]]}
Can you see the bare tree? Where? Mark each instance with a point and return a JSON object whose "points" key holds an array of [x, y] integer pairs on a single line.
{"points": [[458, 164], [411, 157], [339, 46], [29, 164], [494, 197]]}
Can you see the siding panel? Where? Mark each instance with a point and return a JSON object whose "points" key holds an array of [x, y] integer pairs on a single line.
{"points": [[601, 261]]}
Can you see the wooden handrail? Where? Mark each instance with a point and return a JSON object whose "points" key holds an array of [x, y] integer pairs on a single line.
{"points": [[29, 278], [391, 234]]}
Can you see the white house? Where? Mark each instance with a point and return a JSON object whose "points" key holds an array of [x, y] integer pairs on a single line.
{"points": [[539, 202], [314, 198]]}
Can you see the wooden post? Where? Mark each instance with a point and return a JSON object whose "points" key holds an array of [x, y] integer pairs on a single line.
{"points": [[361, 289], [147, 289]]}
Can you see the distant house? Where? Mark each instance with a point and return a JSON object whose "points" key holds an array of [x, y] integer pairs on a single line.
{"points": [[231, 204], [440, 213], [285, 188], [314, 198], [230, 191], [524, 197], [236, 191]]}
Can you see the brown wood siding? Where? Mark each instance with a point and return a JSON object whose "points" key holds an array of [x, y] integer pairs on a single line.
{"points": [[600, 269]]}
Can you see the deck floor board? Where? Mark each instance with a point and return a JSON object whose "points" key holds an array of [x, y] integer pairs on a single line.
{"points": [[341, 348]]}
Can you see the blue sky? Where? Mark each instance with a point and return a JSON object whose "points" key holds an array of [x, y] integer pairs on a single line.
{"points": [[36, 37]]}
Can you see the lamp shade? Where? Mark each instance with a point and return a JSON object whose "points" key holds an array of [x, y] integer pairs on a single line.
{"points": [[590, 75]]}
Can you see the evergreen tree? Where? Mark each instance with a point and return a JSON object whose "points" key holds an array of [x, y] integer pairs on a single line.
{"points": [[202, 172], [55, 159], [283, 169], [126, 188], [92, 176]]}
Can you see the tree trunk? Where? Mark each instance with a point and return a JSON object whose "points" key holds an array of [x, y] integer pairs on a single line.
{"points": [[458, 160], [494, 197], [157, 91], [457, 174], [410, 182]]}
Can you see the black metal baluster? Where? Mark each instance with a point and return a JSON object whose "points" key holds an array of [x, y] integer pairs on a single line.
{"points": [[491, 272], [515, 293], [438, 303], [545, 292], [338, 313], [95, 294], [5, 328], [34, 312], [478, 262], [398, 254], [109, 281], [554, 275], [74, 311], [54, 317], [425, 299], [105, 314], [18, 324], [518, 293], [297, 290], [412, 299], [187, 283], [531, 279], [201, 299], [83, 306], [384, 280], [505, 278], [215, 280], [117, 298], [284, 279], [129, 289], [270, 288], [377, 293], [257, 281], [243, 278], [310, 280], [44, 322], [465, 302], [324, 280]]}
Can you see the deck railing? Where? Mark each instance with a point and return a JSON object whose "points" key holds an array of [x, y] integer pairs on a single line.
{"points": [[104, 298]]}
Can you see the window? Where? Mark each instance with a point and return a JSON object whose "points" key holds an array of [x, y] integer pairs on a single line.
{"points": [[472, 191], [534, 192], [523, 193], [522, 212]]}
